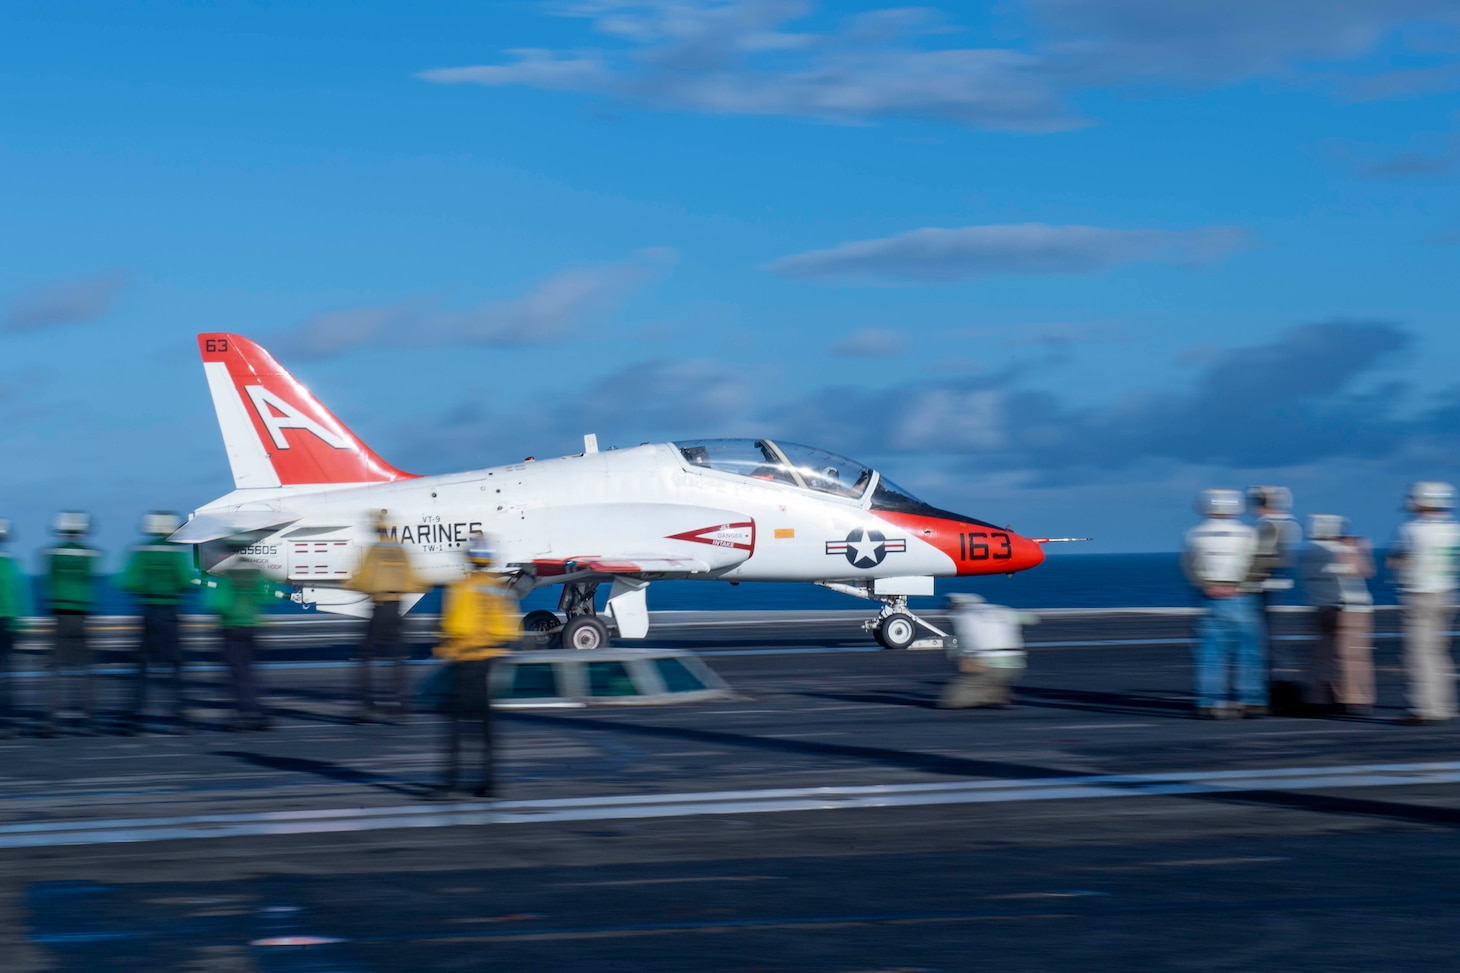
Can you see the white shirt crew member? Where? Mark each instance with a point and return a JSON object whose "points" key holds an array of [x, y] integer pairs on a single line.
{"points": [[1426, 549], [1218, 553]]}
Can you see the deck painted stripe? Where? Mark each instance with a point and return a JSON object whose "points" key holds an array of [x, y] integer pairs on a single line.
{"points": [[620, 807]]}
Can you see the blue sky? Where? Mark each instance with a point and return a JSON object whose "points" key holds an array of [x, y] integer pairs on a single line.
{"points": [[1052, 263]]}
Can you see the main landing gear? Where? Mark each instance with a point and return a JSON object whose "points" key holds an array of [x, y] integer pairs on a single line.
{"points": [[896, 627], [583, 629]]}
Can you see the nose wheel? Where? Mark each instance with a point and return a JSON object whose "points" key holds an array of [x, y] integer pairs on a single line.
{"points": [[896, 627], [896, 631]]}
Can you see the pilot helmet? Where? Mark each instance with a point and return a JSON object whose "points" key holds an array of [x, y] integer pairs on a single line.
{"points": [[1431, 495], [4, 529], [1219, 503], [72, 523], [1277, 498], [482, 553], [1327, 527], [160, 523]]}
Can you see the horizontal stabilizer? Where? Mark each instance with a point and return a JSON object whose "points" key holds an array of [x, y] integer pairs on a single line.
{"points": [[213, 527]]}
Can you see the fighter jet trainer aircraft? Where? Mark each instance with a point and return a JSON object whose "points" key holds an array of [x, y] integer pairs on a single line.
{"points": [[308, 493]]}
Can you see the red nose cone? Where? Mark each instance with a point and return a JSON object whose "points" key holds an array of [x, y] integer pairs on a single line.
{"points": [[1027, 554], [975, 548]]}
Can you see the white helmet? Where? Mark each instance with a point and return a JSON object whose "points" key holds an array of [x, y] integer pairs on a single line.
{"points": [[4, 530], [1327, 527], [1272, 497], [959, 599], [1431, 495], [1219, 503], [160, 523], [72, 522], [482, 553]]}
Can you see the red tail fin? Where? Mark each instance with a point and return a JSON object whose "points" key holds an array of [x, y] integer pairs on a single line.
{"points": [[276, 432]]}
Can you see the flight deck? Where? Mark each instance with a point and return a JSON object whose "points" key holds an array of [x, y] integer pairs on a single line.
{"points": [[828, 817]]}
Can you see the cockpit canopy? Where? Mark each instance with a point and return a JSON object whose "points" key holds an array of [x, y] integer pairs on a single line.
{"points": [[807, 468], [794, 465]]}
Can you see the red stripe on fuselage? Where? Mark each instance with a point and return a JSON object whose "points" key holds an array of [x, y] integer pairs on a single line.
{"points": [[974, 548]]}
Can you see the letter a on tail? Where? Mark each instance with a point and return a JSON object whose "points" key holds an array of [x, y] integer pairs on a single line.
{"points": [[276, 432]]}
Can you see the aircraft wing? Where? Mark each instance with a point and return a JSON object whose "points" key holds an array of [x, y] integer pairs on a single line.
{"points": [[212, 527], [630, 564], [692, 541]]}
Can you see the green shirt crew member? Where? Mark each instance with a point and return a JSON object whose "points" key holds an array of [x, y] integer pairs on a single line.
{"points": [[14, 605], [237, 595], [70, 593], [160, 575]]}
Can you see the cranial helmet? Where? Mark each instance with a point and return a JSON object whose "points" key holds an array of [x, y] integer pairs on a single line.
{"points": [[72, 522], [1327, 527], [160, 523], [1272, 497], [1219, 503], [4, 530], [1431, 495], [959, 599], [482, 553]]}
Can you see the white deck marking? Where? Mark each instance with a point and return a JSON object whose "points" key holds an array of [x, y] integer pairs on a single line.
{"points": [[326, 820]]}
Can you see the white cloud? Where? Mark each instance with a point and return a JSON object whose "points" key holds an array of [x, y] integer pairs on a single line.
{"points": [[972, 252], [871, 343], [80, 301], [737, 57], [747, 57], [549, 313], [1209, 42]]}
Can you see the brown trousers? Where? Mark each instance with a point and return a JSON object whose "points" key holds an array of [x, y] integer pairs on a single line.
{"points": [[1341, 667]]}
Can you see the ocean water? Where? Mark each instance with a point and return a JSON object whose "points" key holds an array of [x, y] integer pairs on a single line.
{"points": [[1062, 581]]}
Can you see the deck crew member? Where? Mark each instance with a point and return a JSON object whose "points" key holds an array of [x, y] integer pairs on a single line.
{"points": [[70, 568], [160, 575], [1341, 666], [479, 623], [1231, 674], [1273, 567], [384, 575], [237, 594], [14, 605], [988, 653], [1423, 557]]}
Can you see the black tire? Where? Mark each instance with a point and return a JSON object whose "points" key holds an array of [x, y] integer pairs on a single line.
{"points": [[585, 632], [897, 631], [541, 629]]}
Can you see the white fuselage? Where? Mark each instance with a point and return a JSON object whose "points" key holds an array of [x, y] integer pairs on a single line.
{"points": [[628, 503]]}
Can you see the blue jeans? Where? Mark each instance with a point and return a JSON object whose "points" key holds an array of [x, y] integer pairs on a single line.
{"points": [[1229, 637]]}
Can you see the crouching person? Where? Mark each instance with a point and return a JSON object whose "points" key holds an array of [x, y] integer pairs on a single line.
{"points": [[988, 653]]}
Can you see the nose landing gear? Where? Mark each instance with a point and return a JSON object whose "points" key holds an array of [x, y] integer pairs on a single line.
{"points": [[897, 628]]}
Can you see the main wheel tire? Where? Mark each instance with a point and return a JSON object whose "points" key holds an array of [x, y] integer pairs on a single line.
{"points": [[897, 631], [584, 632], [542, 629]]}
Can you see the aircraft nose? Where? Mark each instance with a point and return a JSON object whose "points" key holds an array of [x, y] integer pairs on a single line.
{"points": [[981, 550], [1027, 553]]}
